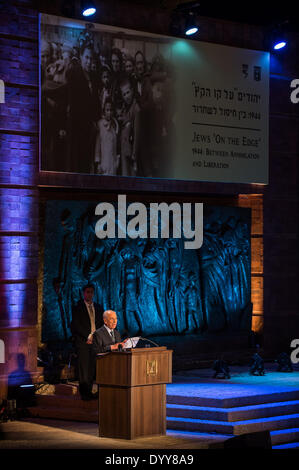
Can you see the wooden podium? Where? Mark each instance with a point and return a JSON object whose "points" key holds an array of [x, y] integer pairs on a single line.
{"points": [[132, 392]]}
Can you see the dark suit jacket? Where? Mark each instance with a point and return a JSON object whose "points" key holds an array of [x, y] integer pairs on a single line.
{"points": [[102, 340], [80, 326]]}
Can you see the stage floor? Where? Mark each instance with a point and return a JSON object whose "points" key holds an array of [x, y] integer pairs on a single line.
{"points": [[194, 390], [43, 433], [241, 387]]}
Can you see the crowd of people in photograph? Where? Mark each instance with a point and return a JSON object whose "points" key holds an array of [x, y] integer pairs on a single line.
{"points": [[104, 110]]}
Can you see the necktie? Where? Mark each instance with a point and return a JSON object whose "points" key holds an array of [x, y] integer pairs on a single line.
{"points": [[112, 336], [92, 319]]}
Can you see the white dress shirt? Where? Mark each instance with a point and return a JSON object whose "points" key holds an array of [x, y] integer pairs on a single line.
{"points": [[109, 331]]}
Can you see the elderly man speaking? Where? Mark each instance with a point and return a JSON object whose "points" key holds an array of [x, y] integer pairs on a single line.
{"points": [[107, 338]]}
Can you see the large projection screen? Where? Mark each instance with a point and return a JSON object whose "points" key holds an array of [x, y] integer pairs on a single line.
{"points": [[126, 103]]}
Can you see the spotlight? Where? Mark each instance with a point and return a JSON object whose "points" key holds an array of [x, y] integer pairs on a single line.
{"points": [[278, 36], [284, 363], [256, 365], [183, 19], [191, 26], [221, 367], [279, 45], [88, 8]]}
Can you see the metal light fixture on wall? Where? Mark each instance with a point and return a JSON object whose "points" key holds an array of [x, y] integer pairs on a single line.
{"points": [[184, 19], [278, 36], [279, 41], [191, 25]]}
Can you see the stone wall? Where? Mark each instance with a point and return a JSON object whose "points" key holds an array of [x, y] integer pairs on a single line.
{"points": [[18, 186]]}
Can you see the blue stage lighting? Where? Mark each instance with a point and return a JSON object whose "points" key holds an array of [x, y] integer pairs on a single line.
{"points": [[279, 36], [89, 12], [191, 26], [191, 31], [279, 45], [88, 8]]}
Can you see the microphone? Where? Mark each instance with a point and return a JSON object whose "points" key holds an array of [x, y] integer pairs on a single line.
{"points": [[146, 339], [131, 344]]}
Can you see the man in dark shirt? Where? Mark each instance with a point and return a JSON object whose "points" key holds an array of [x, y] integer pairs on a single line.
{"points": [[86, 319], [80, 98]]}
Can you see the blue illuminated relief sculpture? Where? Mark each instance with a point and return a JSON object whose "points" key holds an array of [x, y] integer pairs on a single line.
{"points": [[156, 286]]}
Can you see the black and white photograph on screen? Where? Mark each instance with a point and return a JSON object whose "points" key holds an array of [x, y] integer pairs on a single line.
{"points": [[107, 102]]}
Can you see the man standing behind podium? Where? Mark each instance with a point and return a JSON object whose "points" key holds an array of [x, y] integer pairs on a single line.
{"points": [[107, 338], [87, 318]]}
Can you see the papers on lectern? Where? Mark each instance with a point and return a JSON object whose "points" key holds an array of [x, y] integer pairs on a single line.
{"points": [[131, 342]]}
